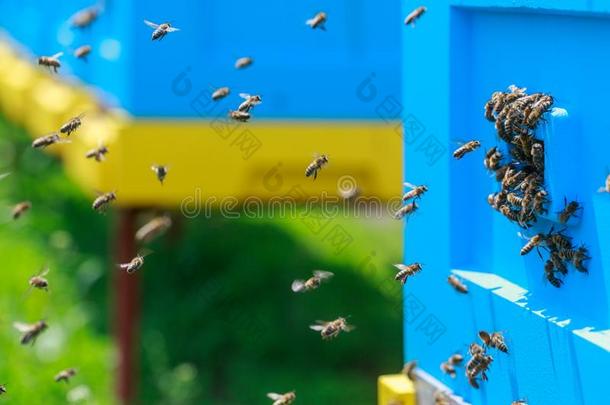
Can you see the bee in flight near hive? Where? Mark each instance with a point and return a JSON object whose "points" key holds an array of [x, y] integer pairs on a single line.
{"points": [[318, 21], [494, 340], [160, 30], [30, 332], [315, 166], [72, 125], [415, 15], [82, 52], [409, 370], [469, 146], [448, 369], [244, 62], [39, 281], [457, 284], [519, 402], [101, 203], [220, 93], [240, 116], [311, 283], [47, 140], [52, 62], [160, 171], [85, 17], [20, 209], [282, 399], [405, 271], [134, 264], [406, 210], [2, 389], [441, 398], [250, 102], [153, 228], [415, 192], [98, 153], [568, 211], [329, 330], [65, 375]]}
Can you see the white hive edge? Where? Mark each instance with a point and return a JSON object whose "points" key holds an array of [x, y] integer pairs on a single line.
{"points": [[427, 386]]}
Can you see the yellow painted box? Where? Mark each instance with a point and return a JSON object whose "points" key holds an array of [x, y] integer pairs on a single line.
{"points": [[395, 389]]}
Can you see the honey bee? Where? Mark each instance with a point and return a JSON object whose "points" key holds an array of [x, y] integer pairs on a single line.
{"points": [[98, 153], [101, 203], [240, 116], [85, 17], [549, 273], [475, 349], [406, 210], [568, 211], [540, 107], [493, 159], [540, 200], [330, 330], [532, 242], [519, 402], [405, 271], [478, 364], [409, 370], [606, 188], [160, 30], [39, 281], [82, 52], [514, 199], [456, 359], [133, 265], [558, 263], [250, 102], [282, 399], [489, 106], [153, 228], [457, 284], [46, 140], [30, 332], [509, 213], [538, 156], [244, 62], [497, 200], [495, 340], [318, 21], [71, 125], [52, 62], [311, 283], [557, 241], [441, 398], [315, 166], [466, 148], [65, 375], [415, 192], [20, 209], [220, 93], [577, 257], [448, 369], [415, 15], [2, 389], [160, 172]]}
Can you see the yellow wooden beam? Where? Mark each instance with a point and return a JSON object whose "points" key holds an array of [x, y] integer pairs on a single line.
{"points": [[395, 389]]}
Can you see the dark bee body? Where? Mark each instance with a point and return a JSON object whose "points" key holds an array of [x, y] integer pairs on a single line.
{"points": [[98, 154], [71, 125], [101, 202], [537, 153], [82, 52], [493, 159], [160, 172], [243, 62], [30, 332], [85, 17], [495, 340], [406, 210], [220, 93], [20, 209], [47, 140], [457, 284], [557, 241], [478, 364], [240, 116], [318, 21], [132, 266], [409, 370], [406, 271], [52, 62], [160, 30], [315, 166], [558, 263], [282, 399], [415, 192], [311, 283], [569, 211], [330, 330], [415, 15], [549, 274], [65, 375], [466, 148]]}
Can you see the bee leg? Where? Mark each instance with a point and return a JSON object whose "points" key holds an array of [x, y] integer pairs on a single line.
{"points": [[315, 174]]}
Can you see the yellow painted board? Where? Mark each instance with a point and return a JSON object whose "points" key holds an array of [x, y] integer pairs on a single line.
{"points": [[395, 389]]}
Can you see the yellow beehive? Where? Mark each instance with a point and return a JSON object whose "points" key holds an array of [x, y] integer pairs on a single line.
{"points": [[395, 389]]}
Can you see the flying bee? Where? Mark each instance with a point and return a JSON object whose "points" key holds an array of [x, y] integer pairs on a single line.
{"points": [[30, 332], [244, 62], [469, 146], [329, 330], [606, 188], [549, 274], [153, 228], [538, 156], [52, 62], [415, 192], [532, 243], [406, 270], [311, 283], [101, 203], [71, 125], [241, 116], [82, 52], [441, 398], [84, 18], [456, 359], [160, 30], [415, 15], [98, 153], [65, 375], [250, 102], [568, 211], [478, 364], [220, 93], [457, 284], [160, 172], [493, 159], [39, 281], [47, 140], [134, 264], [409, 370], [318, 21], [315, 166], [406, 210], [282, 399], [2, 389], [448, 369], [495, 340], [20, 209]]}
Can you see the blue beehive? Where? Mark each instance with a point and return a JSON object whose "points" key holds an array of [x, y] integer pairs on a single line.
{"points": [[457, 56]]}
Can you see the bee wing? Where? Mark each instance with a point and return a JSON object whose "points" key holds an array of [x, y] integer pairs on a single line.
{"points": [[274, 396], [349, 328], [151, 24], [400, 267], [154, 168], [22, 327], [57, 55], [298, 285], [44, 271], [317, 328], [172, 29], [321, 274], [599, 190], [484, 336], [4, 175], [244, 95], [407, 184]]}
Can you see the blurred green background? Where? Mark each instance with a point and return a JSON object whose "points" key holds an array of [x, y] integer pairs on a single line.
{"points": [[220, 324]]}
